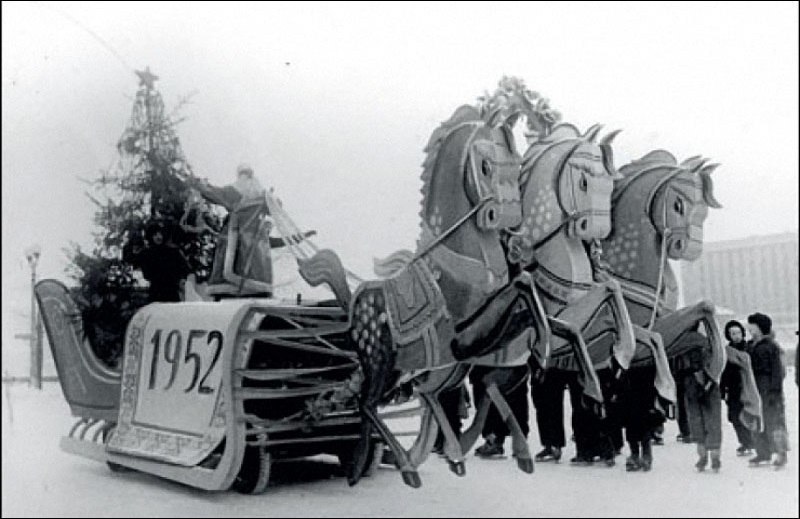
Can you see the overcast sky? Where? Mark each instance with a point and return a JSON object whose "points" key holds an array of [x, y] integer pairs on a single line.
{"points": [[333, 104]]}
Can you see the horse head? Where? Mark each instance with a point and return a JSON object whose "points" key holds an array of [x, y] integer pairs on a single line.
{"points": [[566, 182], [679, 207], [676, 200], [470, 193], [471, 161]]}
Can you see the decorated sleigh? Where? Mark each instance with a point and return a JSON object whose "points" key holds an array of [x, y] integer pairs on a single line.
{"points": [[212, 393]]}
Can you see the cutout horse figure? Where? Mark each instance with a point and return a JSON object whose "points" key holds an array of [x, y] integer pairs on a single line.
{"points": [[566, 181], [451, 300], [561, 213], [659, 210]]}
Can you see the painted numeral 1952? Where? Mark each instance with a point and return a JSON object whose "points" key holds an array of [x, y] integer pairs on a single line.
{"points": [[173, 353]]}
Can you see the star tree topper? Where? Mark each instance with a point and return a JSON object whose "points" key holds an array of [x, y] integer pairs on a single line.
{"points": [[146, 77]]}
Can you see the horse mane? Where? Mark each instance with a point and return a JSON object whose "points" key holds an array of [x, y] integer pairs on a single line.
{"points": [[464, 114]]}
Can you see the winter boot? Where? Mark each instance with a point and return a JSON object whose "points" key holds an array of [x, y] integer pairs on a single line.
{"points": [[582, 460], [755, 462], [492, 448], [780, 460], [716, 463], [743, 451], [647, 456], [633, 463], [702, 460], [549, 454]]}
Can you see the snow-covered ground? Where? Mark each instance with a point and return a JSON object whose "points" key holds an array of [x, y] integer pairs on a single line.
{"points": [[40, 480]]}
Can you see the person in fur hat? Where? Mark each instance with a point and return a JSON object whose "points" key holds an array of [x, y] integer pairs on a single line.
{"points": [[769, 372]]}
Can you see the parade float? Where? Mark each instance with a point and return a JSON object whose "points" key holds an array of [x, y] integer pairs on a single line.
{"points": [[211, 391]]}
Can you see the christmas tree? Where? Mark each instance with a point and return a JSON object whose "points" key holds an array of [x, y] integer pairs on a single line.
{"points": [[146, 186]]}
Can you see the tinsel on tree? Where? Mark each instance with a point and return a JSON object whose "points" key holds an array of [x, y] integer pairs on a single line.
{"points": [[145, 186]]}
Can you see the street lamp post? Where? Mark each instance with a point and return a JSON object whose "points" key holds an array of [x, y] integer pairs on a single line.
{"points": [[32, 254]]}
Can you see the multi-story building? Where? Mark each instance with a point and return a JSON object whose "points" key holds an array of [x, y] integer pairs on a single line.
{"points": [[756, 274]]}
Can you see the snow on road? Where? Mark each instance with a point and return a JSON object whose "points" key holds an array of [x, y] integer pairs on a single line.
{"points": [[40, 480]]}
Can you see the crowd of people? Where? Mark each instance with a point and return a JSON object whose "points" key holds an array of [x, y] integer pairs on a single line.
{"points": [[699, 407]]}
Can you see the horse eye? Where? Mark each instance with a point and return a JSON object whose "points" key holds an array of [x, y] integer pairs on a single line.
{"points": [[583, 184], [486, 168], [679, 206]]}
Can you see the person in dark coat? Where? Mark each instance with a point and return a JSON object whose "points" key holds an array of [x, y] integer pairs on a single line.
{"points": [[164, 266], [684, 434], [703, 402], [547, 394], [768, 370], [642, 420], [512, 382], [596, 439], [731, 388]]}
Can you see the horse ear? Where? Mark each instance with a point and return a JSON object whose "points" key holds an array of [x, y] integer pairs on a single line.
{"points": [[698, 165], [693, 162], [592, 132], [708, 186], [608, 162], [609, 137]]}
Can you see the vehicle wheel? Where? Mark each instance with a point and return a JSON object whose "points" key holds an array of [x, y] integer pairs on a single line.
{"points": [[253, 476]]}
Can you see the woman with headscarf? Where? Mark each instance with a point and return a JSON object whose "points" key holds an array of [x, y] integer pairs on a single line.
{"points": [[731, 388]]}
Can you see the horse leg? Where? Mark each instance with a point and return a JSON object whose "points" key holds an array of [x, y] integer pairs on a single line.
{"points": [[664, 382], [674, 325], [625, 348], [452, 447], [423, 445], [585, 314], [519, 442], [410, 475], [540, 346], [592, 392]]}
